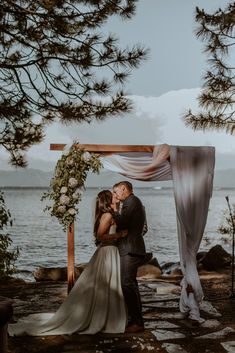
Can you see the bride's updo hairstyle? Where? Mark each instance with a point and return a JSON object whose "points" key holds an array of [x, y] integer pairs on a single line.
{"points": [[103, 205]]}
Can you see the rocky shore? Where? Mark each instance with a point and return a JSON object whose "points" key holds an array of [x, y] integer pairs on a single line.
{"points": [[167, 330]]}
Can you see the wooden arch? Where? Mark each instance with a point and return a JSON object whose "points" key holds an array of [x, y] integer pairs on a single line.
{"points": [[102, 150]]}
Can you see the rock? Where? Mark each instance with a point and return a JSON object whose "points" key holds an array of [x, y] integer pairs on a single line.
{"points": [[210, 275], [209, 309], [163, 335], [151, 270], [218, 334], [200, 255], [216, 258], [172, 269], [160, 324], [176, 272], [166, 267], [56, 273], [148, 272], [6, 312], [154, 262], [210, 324], [173, 348], [229, 346], [12, 280]]}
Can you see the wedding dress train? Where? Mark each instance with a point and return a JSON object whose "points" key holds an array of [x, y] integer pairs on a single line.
{"points": [[95, 304]]}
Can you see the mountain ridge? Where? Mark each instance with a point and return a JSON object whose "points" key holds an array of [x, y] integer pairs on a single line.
{"points": [[30, 177]]}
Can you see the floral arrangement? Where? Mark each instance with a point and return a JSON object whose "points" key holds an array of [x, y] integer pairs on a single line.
{"points": [[68, 183]]}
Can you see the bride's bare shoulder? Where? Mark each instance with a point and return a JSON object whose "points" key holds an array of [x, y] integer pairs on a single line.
{"points": [[107, 216], [104, 225]]}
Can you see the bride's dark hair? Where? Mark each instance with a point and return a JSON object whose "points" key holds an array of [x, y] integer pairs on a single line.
{"points": [[103, 205]]}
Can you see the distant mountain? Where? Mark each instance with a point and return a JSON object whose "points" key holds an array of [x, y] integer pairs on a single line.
{"points": [[38, 178], [224, 178], [25, 178]]}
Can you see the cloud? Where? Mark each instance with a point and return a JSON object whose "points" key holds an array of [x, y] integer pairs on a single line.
{"points": [[154, 120], [169, 108]]}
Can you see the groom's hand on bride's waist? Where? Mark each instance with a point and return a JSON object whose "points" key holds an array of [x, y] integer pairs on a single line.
{"points": [[123, 233], [115, 236]]}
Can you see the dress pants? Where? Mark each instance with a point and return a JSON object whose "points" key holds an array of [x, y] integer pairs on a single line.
{"points": [[129, 267]]}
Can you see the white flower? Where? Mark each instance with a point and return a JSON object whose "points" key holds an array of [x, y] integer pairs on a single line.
{"points": [[75, 195], [73, 182], [64, 200], [69, 161], [72, 211], [86, 156], [63, 190], [32, 130], [61, 209]]}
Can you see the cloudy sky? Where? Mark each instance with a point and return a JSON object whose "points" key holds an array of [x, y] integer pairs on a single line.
{"points": [[165, 86]]}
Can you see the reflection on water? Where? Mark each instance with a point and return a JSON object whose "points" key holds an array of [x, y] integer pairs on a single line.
{"points": [[43, 242]]}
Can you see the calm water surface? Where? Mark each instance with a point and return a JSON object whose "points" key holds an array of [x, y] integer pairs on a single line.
{"points": [[43, 242]]}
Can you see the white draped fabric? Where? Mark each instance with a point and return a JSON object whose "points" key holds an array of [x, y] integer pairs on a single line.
{"points": [[192, 170], [141, 166]]}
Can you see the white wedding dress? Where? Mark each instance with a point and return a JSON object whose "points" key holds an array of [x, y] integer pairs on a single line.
{"points": [[95, 304]]}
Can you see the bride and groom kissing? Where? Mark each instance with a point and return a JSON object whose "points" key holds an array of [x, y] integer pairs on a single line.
{"points": [[106, 297]]}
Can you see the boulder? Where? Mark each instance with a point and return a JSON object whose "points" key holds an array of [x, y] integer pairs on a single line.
{"points": [[172, 269], [60, 273], [201, 255], [168, 267], [6, 312], [216, 259], [176, 272], [56, 273], [154, 262], [148, 272]]}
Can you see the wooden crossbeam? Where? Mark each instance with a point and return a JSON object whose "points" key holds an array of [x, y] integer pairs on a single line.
{"points": [[106, 148]]}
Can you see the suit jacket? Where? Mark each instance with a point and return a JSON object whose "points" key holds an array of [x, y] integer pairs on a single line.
{"points": [[131, 218]]}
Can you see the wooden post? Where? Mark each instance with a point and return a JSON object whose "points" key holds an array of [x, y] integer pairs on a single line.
{"points": [[70, 260]]}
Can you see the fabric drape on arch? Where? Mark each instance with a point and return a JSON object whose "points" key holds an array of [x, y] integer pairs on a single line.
{"points": [[192, 171]]}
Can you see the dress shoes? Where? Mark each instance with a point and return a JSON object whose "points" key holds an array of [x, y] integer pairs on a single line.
{"points": [[134, 328]]}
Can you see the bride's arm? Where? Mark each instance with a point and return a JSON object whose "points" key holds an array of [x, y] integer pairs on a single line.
{"points": [[103, 230]]}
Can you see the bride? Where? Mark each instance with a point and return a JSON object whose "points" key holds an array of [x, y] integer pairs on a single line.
{"points": [[96, 303]]}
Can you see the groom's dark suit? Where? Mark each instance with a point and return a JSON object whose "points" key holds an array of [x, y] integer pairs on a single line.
{"points": [[132, 253]]}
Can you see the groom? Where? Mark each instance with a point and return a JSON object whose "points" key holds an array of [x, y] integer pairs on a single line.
{"points": [[131, 249]]}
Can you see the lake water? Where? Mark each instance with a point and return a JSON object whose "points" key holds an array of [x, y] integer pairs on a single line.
{"points": [[43, 242]]}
